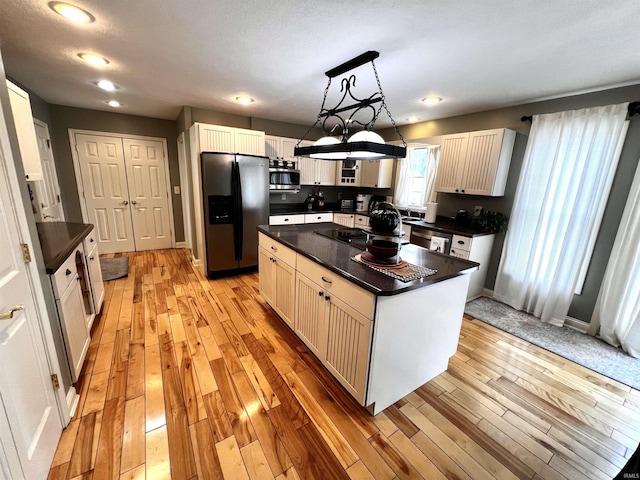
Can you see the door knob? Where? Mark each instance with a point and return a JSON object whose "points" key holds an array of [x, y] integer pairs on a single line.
{"points": [[125, 202], [133, 202], [8, 315]]}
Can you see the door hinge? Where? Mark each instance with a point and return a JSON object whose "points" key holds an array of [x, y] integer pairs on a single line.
{"points": [[48, 144], [26, 254], [58, 197], [55, 381]]}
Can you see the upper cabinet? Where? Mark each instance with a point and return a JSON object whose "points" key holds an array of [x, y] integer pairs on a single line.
{"points": [[475, 163], [23, 119], [314, 171], [376, 173], [218, 138], [280, 147]]}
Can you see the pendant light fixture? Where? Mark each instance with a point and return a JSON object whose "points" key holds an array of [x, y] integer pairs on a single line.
{"points": [[363, 144]]}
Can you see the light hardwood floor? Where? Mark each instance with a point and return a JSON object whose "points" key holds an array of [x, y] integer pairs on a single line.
{"points": [[190, 378]]}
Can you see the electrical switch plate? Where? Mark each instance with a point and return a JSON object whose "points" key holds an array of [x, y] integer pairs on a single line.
{"points": [[176, 189], [477, 210]]}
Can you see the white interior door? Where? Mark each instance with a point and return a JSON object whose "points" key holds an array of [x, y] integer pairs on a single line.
{"points": [[105, 190], [30, 424], [145, 164], [47, 190]]}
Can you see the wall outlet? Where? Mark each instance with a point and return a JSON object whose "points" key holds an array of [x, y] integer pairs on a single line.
{"points": [[477, 210]]}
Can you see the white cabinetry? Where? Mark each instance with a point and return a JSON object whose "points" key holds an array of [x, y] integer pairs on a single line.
{"points": [[346, 219], [72, 310], [23, 119], [277, 266], [375, 173], [361, 220], [314, 171], [215, 138], [338, 333], [476, 249], [318, 217], [475, 163], [92, 259], [280, 147], [296, 219]]}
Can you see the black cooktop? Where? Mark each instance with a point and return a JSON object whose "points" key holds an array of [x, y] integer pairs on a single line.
{"points": [[353, 236]]}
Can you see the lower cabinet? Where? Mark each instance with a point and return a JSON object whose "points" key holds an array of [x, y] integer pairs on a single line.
{"points": [[276, 264], [346, 219]]}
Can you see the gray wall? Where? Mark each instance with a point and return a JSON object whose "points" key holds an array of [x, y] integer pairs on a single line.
{"points": [[63, 118], [582, 305], [51, 313]]}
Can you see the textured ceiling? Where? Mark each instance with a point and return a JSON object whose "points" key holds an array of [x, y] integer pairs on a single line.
{"points": [[475, 54]]}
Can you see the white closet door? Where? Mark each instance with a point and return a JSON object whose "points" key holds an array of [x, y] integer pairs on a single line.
{"points": [[104, 183], [48, 190], [146, 173]]}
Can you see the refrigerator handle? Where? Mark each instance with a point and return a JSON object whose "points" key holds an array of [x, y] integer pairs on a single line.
{"points": [[237, 205]]}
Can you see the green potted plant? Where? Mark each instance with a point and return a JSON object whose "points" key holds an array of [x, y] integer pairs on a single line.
{"points": [[492, 222]]}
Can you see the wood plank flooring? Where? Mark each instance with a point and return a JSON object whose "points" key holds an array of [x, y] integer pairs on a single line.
{"points": [[189, 378]]}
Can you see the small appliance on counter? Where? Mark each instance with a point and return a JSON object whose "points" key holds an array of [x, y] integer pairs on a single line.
{"points": [[462, 218], [362, 202], [346, 205]]}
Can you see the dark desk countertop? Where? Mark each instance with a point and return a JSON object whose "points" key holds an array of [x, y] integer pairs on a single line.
{"points": [[58, 239], [336, 256]]}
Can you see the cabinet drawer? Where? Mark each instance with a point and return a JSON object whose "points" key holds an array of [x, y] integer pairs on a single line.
{"points": [[318, 217], [64, 275], [286, 219], [90, 241], [277, 249], [353, 295], [362, 220], [459, 253], [461, 243]]}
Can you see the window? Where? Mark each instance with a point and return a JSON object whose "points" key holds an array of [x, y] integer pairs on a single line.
{"points": [[415, 185]]}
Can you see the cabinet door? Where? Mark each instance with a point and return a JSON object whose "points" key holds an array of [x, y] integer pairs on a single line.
{"points": [[95, 279], [272, 146], [76, 335], [369, 173], [285, 284], [345, 219], [348, 339], [326, 172], [453, 155], [248, 142], [310, 315], [286, 148], [307, 167], [21, 110], [483, 153], [267, 275], [216, 138]]}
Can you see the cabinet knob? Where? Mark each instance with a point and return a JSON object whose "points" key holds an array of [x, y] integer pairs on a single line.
{"points": [[320, 294], [456, 190], [90, 258], [67, 272], [462, 190], [327, 297], [274, 248]]}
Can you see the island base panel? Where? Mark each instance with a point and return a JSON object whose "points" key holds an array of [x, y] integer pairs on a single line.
{"points": [[415, 334]]}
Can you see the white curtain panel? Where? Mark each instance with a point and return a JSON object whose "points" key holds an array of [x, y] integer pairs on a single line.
{"points": [[403, 181], [566, 176], [618, 306], [433, 159]]}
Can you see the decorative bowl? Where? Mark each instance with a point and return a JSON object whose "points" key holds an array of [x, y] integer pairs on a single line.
{"points": [[384, 217], [382, 248]]}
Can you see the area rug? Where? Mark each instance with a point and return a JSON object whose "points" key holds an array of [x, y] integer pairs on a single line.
{"points": [[113, 268], [583, 349]]}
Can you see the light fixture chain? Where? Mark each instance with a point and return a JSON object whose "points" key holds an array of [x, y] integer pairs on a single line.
{"points": [[384, 104], [324, 99]]}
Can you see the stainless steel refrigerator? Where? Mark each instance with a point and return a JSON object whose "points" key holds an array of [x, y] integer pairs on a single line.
{"points": [[236, 200]]}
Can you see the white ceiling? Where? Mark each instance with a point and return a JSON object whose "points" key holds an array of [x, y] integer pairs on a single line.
{"points": [[475, 54]]}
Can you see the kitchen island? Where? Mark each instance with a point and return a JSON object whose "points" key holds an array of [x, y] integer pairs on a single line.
{"points": [[381, 338]]}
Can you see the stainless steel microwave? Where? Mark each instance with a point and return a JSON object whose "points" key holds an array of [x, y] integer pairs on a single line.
{"points": [[284, 180]]}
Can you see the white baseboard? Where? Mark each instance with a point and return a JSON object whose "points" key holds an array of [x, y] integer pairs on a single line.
{"points": [[487, 292], [576, 324], [196, 262], [181, 244], [72, 401]]}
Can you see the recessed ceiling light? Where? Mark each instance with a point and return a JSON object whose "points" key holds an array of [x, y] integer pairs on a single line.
{"points": [[93, 59], [244, 100], [106, 85], [432, 100], [72, 12], [114, 103], [412, 119]]}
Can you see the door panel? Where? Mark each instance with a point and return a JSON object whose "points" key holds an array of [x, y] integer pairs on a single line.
{"points": [[254, 184], [104, 182], [48, 190], [27, 401], [145, 164]]}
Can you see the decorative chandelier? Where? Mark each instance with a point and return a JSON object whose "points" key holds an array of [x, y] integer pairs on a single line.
{"points": [[364, 144]]}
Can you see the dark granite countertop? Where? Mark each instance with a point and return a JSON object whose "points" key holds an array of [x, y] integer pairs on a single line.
{"points": [[443, 224], [58, 239], [336, 256], [300, 208]]}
